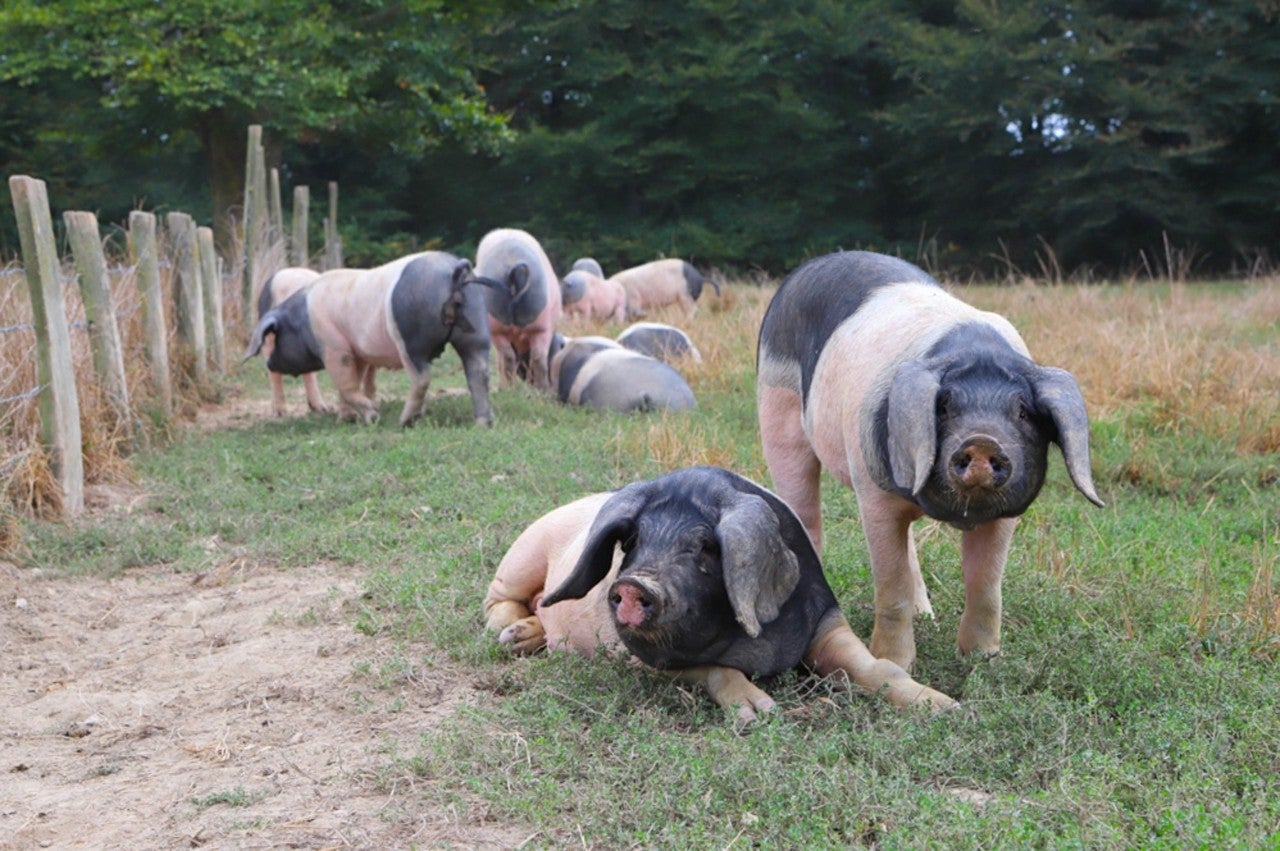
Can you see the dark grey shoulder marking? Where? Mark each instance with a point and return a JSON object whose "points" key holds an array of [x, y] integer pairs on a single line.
{"points": [[819, 295], [417, 299]]}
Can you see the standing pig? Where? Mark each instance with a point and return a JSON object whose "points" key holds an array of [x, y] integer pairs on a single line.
{"points": [[402, 314], [522, 313], [595, 298], [664, 342], [597, 372], [700, 572], [284, 283], [660, 283], [923, 405]]}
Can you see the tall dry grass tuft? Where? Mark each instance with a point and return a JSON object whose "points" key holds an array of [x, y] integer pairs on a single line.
{"points": [[109, 436], [1192, 359]]}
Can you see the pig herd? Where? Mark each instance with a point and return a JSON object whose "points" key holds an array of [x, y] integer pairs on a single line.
{"points": [[866, 368], [401, 315]]}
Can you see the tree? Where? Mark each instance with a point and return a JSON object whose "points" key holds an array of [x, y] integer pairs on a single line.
{"points": [[194, 73], [1095, 126]]}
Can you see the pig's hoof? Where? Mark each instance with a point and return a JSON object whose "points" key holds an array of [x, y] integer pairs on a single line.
{"points": [[525, 636]]}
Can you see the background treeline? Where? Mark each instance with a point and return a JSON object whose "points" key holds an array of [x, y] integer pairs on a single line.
{"points": [[1093, 137]]}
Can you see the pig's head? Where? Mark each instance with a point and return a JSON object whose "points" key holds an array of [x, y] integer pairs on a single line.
{"points": [[704, 565], [967, 429]]}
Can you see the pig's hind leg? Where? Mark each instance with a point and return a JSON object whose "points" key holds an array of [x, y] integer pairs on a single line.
{"points": [[836, 650], [793, 466]]}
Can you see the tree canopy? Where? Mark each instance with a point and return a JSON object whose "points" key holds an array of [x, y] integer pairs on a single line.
{"points": [[972, 133]]}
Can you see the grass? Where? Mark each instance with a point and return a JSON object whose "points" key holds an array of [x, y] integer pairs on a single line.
{"points": [[1134, 705]]}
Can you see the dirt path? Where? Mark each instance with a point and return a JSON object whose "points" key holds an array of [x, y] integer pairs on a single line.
{"points": [[158, 710]]}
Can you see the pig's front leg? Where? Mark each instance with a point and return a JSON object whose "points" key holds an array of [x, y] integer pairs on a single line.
{"points": [[899, 587], [983, 552], [730, 689]]}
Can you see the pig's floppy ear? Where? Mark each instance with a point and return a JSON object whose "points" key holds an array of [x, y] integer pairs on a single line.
{"points": [[268, 324], [1058, 395], [913, 425], [760, 570], [615, 523]]}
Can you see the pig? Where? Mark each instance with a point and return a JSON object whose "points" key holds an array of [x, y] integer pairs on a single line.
{"points": [[524, 311], [925, 406], [401, 314], [701, 573], [588, 264], [660, 283], [282, 284], [599, 373], [664, 342], [592, 297]]}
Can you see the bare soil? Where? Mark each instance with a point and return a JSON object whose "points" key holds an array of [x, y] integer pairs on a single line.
{"points": [[234, 709]]}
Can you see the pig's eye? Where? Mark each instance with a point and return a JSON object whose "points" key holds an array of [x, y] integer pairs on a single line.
{"points": [[709, 555], [944, 403], [629, 543]]}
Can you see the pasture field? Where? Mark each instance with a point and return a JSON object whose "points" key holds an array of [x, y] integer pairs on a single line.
{"points": [[1135, 703]]}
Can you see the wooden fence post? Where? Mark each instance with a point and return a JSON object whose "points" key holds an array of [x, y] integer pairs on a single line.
{"points": [[255, 213], [187, 298], [298, 254], [211, 286], [142, 247], [275, 210], [332, 241], [59, 405], [95, 292]]}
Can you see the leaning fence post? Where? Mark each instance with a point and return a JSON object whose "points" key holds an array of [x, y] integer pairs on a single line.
{"points": [[104, 332], [298, 254], [211, 286], [186, 291], [142, 248], [59, 405], [275, 211]]}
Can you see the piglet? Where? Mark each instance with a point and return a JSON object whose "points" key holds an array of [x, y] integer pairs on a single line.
{"points": [[701, 573], [923, 405]]}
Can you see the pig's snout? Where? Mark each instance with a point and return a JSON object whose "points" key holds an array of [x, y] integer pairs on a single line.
{"points": [[980, 464], [633, 604]]}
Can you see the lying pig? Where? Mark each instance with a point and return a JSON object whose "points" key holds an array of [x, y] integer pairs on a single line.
{"points": [[660, 283], [700, 572], [592, 297], [524, 311], [664, 342], [352, 321], [597, 372], [924, 406], [284, 283]]}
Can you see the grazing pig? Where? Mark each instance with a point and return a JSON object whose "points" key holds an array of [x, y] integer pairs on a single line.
{"points": [[524, 311], [660, 283], [352, 321], [588, 264], [284, 283], [593, 297], [664, 342], [597, 372], [923, 405], [699, 572]]}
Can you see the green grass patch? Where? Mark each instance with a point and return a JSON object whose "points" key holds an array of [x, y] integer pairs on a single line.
{"points": [[1134, 705]]}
